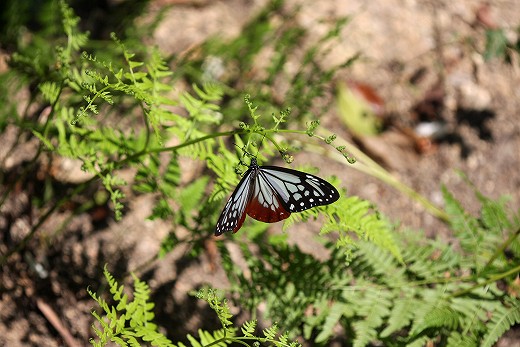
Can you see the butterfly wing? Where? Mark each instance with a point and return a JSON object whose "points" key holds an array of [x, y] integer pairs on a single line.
{"points": [[233, 215], [298, 191], [265, 204], [270, 194]]}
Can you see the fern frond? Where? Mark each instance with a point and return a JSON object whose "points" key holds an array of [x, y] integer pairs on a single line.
{"points": [[149, 334], [192, 195], [44, 140], [50, 91], [140, 311], [334, 314], [365, 333], [474, 310], [356, 215], [115, 289], [440, 316], [271, 332], [194, 342], [428, 311], [401, 314], [207, 338], [502, 319], [248, 328], [379, 262], [130, 320], [457, 339], [493, 214], [431, 259], [218, 305], [421, 341], [70, 22], [372, 306]]}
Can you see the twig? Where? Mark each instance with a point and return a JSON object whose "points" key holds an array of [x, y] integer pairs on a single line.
{"points": [[55, 321]]}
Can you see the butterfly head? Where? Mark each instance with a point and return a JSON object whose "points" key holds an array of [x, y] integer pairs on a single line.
{"points": [[253, 163]]}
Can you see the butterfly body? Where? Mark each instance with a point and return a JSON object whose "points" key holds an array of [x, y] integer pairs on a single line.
{"points": [[271, 193]]}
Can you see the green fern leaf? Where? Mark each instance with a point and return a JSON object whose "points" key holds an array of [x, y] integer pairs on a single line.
{"points": [[456, 339], [373, 306], [429, 301], [440, 316], [270, 333], [381, 262], [365, 333], [248, 328], [220, 306], [151, 335], [420, 342], [356, 215], [194, 342], [215, 339], [45, 141], [494, 214], [335, 313], [401, 315], [131, 341], [192, 195], [502, 319], [50, 91], [460, 220]]}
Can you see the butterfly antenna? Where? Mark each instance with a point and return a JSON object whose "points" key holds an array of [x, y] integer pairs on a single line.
{"points": [[241, 162], [243, 149]]}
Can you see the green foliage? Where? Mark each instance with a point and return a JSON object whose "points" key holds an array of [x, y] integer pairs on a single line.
{"points": [[112, 111], [129, 322], [498, 45], [479, 236], [431, 291], [503, 318], [353, 216], [126, 322]]}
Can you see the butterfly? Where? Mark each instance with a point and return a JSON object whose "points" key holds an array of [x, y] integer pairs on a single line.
{"points": [[271, 193]]}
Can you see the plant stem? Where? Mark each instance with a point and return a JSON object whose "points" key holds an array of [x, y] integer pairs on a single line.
{"points": [[366, 165], [500, 250], [492, 279]]}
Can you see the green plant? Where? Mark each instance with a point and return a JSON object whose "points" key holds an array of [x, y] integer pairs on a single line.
{"points": [[436, 293], [498, 46], [86, 97], [113, 111], [129, 322]]}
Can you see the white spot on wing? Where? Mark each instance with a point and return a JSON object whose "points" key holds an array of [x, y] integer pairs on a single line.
{"points": [[292, 188]]}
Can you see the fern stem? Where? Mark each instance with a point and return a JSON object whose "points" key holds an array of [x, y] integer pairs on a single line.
{"points": [[177, 147], [273, 141], [500, 250], [492, 279], [367, 165]]}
